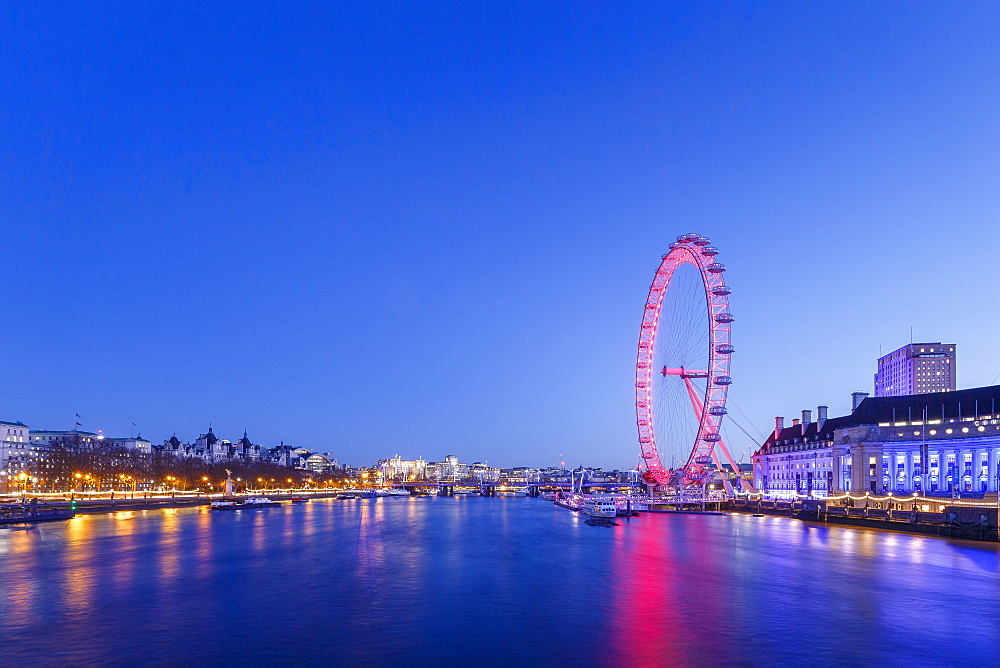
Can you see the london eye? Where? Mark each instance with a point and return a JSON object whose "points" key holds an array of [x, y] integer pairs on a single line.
{"points": [[682, 368]]}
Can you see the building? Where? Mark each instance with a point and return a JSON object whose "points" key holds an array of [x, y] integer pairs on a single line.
{"points": [[212, 448], [450, 470], [321, 464], [943, 443], [399, 469], [137, 443], [15, 445], [916, 368], [289, 456], [71, 438], [246, 450], [482, 472]]}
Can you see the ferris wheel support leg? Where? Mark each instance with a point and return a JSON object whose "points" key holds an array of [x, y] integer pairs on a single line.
{"points": [[745, 484], [696, 404], [725, 479]]}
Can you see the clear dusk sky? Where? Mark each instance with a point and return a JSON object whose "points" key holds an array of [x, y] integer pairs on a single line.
{"points": [[429, 228]]}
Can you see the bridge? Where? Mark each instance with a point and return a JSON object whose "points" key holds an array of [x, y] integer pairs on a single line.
{"points": [[491, 488]]}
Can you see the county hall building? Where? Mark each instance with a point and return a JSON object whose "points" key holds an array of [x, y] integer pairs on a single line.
{"points": [[937, 443]]}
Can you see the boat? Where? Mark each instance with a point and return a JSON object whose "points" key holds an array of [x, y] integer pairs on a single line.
{"points": [[250, 503], [298, 499], [346, 495], [573, 502], [392, 492], [600, 508], [23, 515], [601, 522]]}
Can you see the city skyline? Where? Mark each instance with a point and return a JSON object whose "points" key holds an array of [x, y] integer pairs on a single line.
{"points": [[368, 239]]}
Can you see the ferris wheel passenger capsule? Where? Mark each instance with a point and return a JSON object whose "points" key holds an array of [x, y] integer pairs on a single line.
{"points": [[702, 241], [711, 438], [709, 251], [725, 349], [716, 268], [722, 290], [673, 246], [723, 380], [724, 318], [717, 410], [682, 238]]}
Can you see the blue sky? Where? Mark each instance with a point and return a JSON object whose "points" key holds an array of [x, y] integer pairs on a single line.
{"points": [[429, 228]]}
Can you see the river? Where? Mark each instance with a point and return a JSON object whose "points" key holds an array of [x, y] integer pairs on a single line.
{"points": [[471, 581]]}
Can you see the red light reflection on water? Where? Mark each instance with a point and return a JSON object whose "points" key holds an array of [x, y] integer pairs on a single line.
{"points": [[670, 592], [644, 600]]}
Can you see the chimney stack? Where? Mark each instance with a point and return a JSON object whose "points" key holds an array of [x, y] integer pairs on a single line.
{"points": [[820, 416], [807, 416], [779, 424], [857, 398], [795, 422]]}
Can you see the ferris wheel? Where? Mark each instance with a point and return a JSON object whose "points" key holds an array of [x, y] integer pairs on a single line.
{"points": [[682, 367]]}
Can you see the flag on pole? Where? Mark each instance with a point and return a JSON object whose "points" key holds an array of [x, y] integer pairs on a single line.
{"points": [[78, 423]]}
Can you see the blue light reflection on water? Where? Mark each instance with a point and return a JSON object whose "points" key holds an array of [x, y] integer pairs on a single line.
{"points": [[457, 581]]}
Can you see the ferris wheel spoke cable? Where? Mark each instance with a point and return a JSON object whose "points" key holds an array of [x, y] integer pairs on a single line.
{"points": [[761, 436], [739, 426]]}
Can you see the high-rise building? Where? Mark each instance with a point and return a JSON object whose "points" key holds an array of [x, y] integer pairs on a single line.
{"points": [[916, 368]]}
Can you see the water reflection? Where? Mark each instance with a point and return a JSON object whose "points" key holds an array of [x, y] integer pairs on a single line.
{"points": [[475, 581]]}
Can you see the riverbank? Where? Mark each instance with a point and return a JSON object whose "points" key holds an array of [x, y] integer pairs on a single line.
{"points": [[94, 506], [977, 523]]}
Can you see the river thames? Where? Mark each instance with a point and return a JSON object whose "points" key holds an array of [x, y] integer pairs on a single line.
{"points": [[487, 581]]}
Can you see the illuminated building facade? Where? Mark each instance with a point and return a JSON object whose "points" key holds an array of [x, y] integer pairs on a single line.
{"points": [[15, 445], [320, 463], [449, 470], [917, 368], [398, 469], [943, 443]]}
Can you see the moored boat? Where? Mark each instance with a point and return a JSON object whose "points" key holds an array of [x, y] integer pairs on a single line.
{"points": [[31, 514], [392, 492], [597, 507], [250, 503], [573, 502]]}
